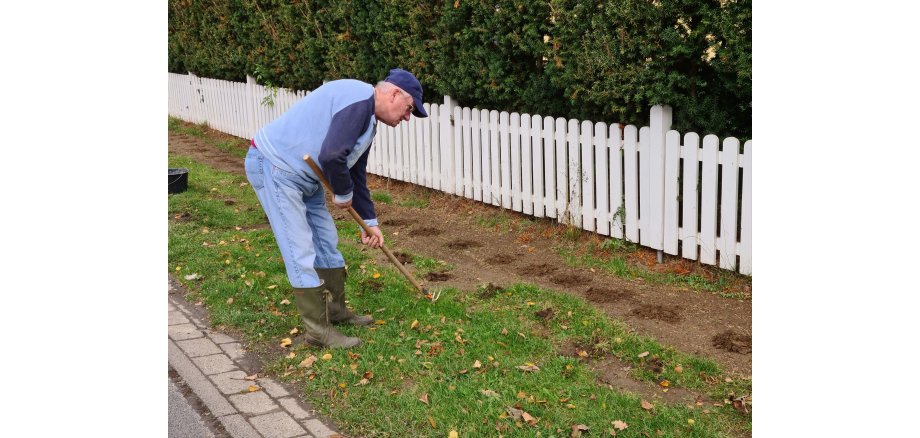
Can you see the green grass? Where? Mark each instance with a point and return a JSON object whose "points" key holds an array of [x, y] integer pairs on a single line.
{"points": [[381, 196], [235, 146], [415, 202], [416, 348]]}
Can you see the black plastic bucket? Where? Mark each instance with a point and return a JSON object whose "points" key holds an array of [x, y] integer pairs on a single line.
{"points": [[178, 179]]}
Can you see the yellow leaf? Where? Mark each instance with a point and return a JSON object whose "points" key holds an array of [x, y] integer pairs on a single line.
{"points": [[643, 354], [583, 353], [414, 324], [308, 362], [380, 322], [294, 331], [342, 385], [570, 406], [253, 388], [327, 356], [453, 434], [230, 300], [665, 383], [691, 421], [376, 275], [285, 342], [477, 364], [292, 355], [285, 301], [272, 287]]}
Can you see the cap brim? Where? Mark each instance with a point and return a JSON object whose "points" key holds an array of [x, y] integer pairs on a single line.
{"points": [[419, 110]]}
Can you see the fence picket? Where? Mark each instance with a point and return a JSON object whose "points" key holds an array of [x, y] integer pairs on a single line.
{"points": [[671, 236], [467, 154], [503, 123], [536, 137], [434, 115], [457, 131], [496, 149], [426, 145], [728, 212], [601, 185], [575, 174], [615, 149], [549, 166], [476, 146], [526, 166], [562, 171], [746, 248], [447, 153], [515, 137], [631, 181], [486, 156], [708, 206], [587, 175], [691, 176]]}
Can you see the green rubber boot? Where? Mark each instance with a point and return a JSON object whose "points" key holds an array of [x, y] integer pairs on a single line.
{"points": [[338, 312], [314, 304]]}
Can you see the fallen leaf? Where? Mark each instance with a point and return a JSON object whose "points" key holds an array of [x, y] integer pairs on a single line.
{"points": [[308, 362], [431, 422], [504, 331], [363, 382], [488, 393], [528, 418], [230, 300], [252, 377], [453, 434], [678, 369], [194, 276], [285, 301], [619, 424], [272, 286], [691, 421], [376, 275], [424, 398], [414, 324], [292, 355], [578, 429], [285, 342], [327, 356], [665, 383], [515, 414], [643, 354], [253, 388], [646, 405], [528, 367], [477, 364], [583, 353]]}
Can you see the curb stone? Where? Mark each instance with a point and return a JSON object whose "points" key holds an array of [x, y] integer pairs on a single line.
{"points": [[214, 366]]}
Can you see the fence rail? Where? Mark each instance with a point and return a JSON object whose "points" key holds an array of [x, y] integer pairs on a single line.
{"points": [[647, 185]]}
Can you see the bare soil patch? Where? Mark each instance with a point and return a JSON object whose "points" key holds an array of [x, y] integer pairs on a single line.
{"points": [[570, 279], [402, 257], [604, 295], [500, 259], [437, 276], [538, 269], [733, 342], [662, 313], [463, 244], [425, 231], [398, 222], [489, 291]]}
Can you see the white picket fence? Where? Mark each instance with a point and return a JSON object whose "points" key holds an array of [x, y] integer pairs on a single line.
{"points": [[648, 185]]}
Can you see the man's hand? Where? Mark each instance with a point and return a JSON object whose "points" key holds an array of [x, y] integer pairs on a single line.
{"points": [[342, 205], [373, 240]]}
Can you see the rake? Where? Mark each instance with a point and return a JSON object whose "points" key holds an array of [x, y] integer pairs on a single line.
{"points": [[433, 296]]}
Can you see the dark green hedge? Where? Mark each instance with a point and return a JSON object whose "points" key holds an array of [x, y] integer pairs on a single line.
{"points": [[592, 60]]}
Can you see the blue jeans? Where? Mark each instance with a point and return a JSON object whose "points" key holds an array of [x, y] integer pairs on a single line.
{"points": [[296, 209]]}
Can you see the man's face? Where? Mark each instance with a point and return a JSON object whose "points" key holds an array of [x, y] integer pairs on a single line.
{"points": [[396, 108]]}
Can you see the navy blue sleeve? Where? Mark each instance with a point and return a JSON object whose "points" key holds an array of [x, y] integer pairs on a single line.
{"points": [[361, 201], [347, 125]]}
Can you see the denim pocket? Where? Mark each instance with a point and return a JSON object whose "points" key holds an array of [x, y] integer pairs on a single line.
{"points": [[253, 165]]}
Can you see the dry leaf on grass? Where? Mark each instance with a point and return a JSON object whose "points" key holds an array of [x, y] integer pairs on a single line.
{"points": [[424, 398], [528, 367], [619, 424], [528, 419], [646, 405], [285, 342], [308, 362], [577, 430], [488, 393]]}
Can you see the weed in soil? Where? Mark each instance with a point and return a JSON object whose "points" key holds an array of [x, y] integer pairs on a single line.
{"points": [[437, 276], [537, 269], [398, 222], [654, 365], [733, 342], [545, 314], [403, 257], [569, 279], [604, 295], [463, 244], [500, 259], [661, 313], [489, 291], [425, 231]]}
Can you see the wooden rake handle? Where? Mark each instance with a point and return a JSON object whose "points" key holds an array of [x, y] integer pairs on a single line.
{"points": [[357, 218]]}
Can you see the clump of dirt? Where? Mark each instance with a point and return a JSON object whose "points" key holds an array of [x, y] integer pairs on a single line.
{"points": [[489, 291], [373, 284], [398, 222], [403, 257], [500, 259], [604, 295], [425, 231], [569, 279], [654, 364], [229, 201], [545, 314], [463, 244], [437, 276], [733, 342], [537, 269], [184, 217], [661, 313], [592, 349]]}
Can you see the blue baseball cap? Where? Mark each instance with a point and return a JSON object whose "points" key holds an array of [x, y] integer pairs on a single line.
{"points": [[411, 85]]}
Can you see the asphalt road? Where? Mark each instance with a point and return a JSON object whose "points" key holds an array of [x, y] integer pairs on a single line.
{"points": [[184, 420]]}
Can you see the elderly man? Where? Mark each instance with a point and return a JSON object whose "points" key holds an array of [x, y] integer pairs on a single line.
{"points": [[336, 124]]}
